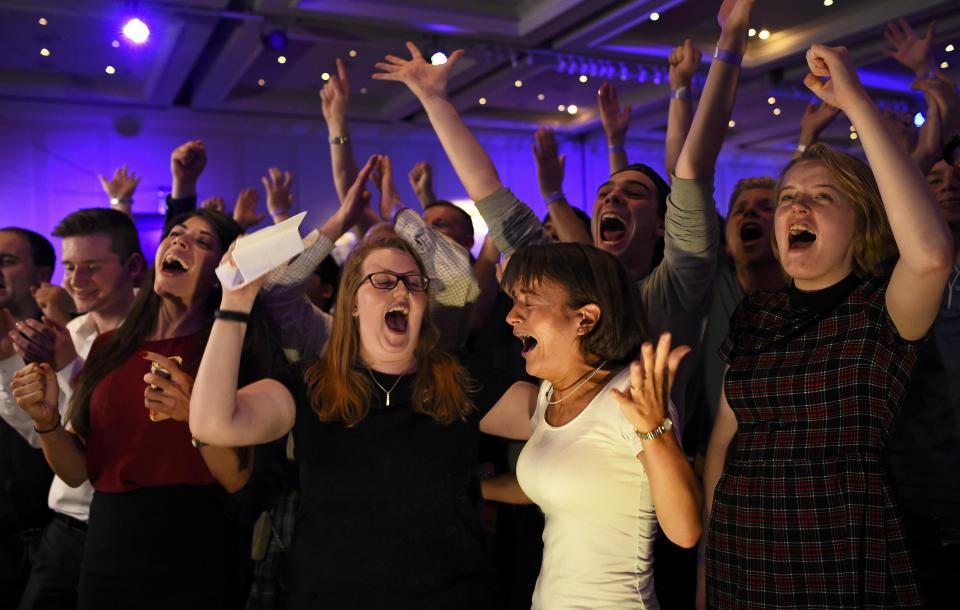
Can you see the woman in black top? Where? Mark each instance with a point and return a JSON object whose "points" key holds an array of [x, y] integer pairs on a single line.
{"points": [[385, 433]]}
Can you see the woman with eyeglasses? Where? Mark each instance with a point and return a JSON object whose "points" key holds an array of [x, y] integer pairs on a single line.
{"points": [[385, 433]]}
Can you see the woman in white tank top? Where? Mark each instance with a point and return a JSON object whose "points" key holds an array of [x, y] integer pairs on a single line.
{"points": [[600, 461]]}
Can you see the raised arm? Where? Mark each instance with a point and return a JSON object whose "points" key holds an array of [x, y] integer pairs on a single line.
{"points": [[616, 122], [943, 120], [187, 162], [909, 49], [702, 147], [335, 98], [36, 390], [676, 491], [277, 184], [421, 180], [926, 246], [120, 189], [550, 175], [245, 209], [429, 83], [815, 119], [684, 61]]}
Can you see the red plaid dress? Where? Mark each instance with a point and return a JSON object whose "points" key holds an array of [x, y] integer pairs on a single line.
{"points": [[803, 516]]}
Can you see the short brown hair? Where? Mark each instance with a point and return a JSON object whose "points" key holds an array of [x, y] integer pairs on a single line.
{"points": [[873, 244], [589, 275], [748, 184], [340, 392]]}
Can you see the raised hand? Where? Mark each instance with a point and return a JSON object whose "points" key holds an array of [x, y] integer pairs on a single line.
{"points": [[171, 397], [214, 203], [842, 87], [646, 403], [942, 92], [279, 198], [423, 78], [245, 209], [335, 100], [549, 163], [383, 178], [908, 49], [357, 198], [122, 185], [36, 391], [53, 301], [684, 61], [187, 162], [734, 20], [815, 119], [615, 119], [421, 179]]}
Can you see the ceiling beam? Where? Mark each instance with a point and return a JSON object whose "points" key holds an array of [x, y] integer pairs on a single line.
{"points": [[612, 23], [237, 54]]}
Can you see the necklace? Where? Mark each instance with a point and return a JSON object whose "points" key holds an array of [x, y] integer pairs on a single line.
{"points": [[392, 388], [579, 385]]}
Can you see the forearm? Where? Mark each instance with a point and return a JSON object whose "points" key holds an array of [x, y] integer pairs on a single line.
{"points": [[569, 228], [485, 270], [469, 159], [679, 119], [702, 147], [225, 466], [617, 154], [915, 219], [342, 161], [677, 496], [183, 189], [213, 401], [504, 488], [66, 455]]}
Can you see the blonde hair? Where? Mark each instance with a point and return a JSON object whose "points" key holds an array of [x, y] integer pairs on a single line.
{"points": [[339, 391], [873, 244]]}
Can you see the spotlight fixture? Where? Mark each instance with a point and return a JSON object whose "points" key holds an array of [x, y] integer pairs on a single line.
{"points": [[771, 100], [518, 83], [438, 57], [949, 48], [731, 123], [583, 78], [282, 59], [325, 76], [110, 70], [654, 16], [944, 65], [42, 21], [45, 52], [482, 101], [853, 135], [136, 31], [776, 112]]}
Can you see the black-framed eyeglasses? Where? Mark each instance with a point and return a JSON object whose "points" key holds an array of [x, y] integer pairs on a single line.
{"points": [[386, 280]]}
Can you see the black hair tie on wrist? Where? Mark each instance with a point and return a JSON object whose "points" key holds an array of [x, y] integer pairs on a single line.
{"points": [[232, 316]]}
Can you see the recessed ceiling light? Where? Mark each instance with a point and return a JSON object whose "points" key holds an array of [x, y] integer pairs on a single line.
{"points": [[110, 70], [363, 90], [776, 112], [261, 82], [751, 32], [731, 123], [115, 44], [944, 65], [771, 100], [828, 2], [45, 52], [949, 48], [325, 76], [572, 109], [352, 53], [282, 59], [541, 97], [482, 101], [518, 83], [42, 21], [654, 16], [562, 108], [763, 34], [438, 58], [853, 135], [583, 78]]}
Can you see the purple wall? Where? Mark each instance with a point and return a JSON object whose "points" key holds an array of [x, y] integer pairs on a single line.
{"points": [[51, 154]]}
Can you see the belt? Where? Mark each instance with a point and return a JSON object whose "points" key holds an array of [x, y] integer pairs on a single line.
{"points": [[70, 522]]}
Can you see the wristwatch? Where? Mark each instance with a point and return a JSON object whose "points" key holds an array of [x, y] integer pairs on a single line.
{"points": [[665, 426], [339, 139], [115, 201]]}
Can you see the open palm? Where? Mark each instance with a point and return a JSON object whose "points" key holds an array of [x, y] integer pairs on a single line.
{"points": [[424, 79]]}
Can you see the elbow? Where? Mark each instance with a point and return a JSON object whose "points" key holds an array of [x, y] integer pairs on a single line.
{"points": [[74, 481], [688, 536]]}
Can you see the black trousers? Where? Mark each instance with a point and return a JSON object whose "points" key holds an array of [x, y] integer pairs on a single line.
{"points": [[936, 551], [55, 566]]}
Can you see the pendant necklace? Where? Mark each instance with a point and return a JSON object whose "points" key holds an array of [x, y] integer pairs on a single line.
{"points": [[392, 388], [580, 385]]}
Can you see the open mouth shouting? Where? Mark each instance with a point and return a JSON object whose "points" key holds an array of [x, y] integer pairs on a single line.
{"points": [[750, 232], [529, 342], [173, 265], [613, 231], [397, 318], [801, 236]]}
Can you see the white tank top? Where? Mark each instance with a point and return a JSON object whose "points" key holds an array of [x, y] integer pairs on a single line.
{"points": [[598, 506]]}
